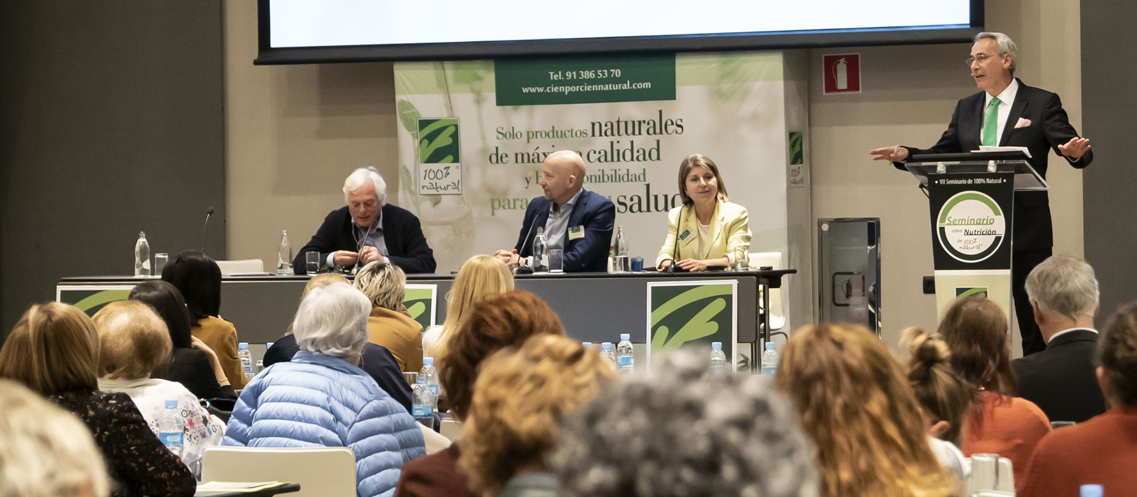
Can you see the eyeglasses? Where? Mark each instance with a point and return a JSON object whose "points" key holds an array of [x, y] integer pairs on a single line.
{"points": [[981, 58]]}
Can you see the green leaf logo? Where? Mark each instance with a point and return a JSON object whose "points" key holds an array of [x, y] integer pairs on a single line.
{"points": [[438, 141], [700, 313]]}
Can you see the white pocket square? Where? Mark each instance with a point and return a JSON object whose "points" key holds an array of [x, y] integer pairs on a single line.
{"points": [[1022, 123]]}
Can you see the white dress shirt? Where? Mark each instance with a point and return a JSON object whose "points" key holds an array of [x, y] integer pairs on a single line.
{"points": [[557, 223], [1006, 99]]}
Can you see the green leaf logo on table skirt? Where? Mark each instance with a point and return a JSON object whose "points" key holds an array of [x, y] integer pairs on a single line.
{"points": [[697, 314]]}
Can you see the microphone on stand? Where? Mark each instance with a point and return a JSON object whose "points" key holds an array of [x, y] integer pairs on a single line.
{"points": [[205, 231]]}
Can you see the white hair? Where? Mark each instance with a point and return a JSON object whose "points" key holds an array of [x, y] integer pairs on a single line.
{"points": [[357, 179], [1004, 45], [333, 320], [1064, 285], [44, 450]]}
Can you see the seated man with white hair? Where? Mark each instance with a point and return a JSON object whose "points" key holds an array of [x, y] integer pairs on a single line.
{"points": [[369, 229], [1062, 380], [321, 399]]}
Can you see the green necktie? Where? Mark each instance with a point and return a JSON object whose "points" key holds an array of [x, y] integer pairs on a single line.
{"points": [[991, 124]]}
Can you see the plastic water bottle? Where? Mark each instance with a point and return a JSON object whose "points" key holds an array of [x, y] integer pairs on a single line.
{"points": [[606, 352], [1091, 490], [246, 358], [430, 375], [625, 362], [718, 360], [770, 360], [423, 400], [540, 252], [284, 256], [268, 345], [142, 256], [587, 345], [171, 428], [621, 262]]}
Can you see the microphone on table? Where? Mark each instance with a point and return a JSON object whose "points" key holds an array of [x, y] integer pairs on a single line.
{"points": [[674, 266], [205, 231]]}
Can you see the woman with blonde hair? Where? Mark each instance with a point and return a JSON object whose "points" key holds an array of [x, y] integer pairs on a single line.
{"points": [[389, 324], [480, 277], [708, 230], [854, 402], [975, 330], [133, 343], [54, 350], [519, 399], [943, 396]]}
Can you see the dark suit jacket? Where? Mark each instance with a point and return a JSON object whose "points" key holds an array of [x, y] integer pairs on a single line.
{"points": [[1062, 380], [588, 254], [402, 234], [377, 362], [1049, 127]]}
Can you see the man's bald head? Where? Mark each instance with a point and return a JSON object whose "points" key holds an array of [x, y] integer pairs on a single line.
{"points": [[562, 176]]}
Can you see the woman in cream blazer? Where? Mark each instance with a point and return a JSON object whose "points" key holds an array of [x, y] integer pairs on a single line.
{"points": [[707, 230]]}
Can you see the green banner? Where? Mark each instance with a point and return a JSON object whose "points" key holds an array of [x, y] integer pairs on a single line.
{"points": [[552, 81], [692, 314]]}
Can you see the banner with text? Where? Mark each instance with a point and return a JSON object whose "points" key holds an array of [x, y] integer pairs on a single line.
{"points": [[473, 136]]}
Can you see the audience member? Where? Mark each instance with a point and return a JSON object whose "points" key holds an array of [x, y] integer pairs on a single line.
{"points": [[53, 350], [192, 363], [1102, 450], [133, 342], [44, 450], [198, 278], [495, 323], [854, 402], [376, 360], [389, 324], [943, 396], [1061, 379], [321, 398], [975, 330], [680, 433], [519, 399], [480, 277]]}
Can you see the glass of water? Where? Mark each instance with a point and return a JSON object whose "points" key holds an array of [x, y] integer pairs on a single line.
{"points": [[160, 260], [312, 262], [556, 261]]}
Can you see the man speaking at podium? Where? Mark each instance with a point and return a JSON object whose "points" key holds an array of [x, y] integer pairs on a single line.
{"points": [[1011, 114]]}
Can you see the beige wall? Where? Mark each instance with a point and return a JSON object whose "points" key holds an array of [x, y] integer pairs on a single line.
{"points": [[294, 133]]}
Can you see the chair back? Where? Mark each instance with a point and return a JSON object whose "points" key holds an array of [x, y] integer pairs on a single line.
{"points": [[320, 471], [777, 304], [241, 266]]}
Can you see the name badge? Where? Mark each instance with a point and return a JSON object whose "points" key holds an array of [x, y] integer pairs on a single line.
{"points": [[686, 233], [576, 232]]}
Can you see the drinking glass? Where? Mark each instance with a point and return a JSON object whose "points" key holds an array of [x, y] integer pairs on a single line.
{"points": [[160, 260], [556, 261], [312, 262]]}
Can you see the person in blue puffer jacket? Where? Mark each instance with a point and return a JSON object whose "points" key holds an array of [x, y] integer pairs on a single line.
{"points": [[321, 399]]}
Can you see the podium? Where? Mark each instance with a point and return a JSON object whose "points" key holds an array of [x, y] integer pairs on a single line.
{"points": [[971, 205]]}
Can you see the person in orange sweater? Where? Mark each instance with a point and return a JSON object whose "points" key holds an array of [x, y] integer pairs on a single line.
{"points": [[975, 330], [389, 324], [1102, 450]]}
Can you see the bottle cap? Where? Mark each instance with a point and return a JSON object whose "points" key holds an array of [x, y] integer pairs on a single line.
{"points": [[770, 346], [269, 345], [427, 361], [171, 403], [716, 345], [1091, 490], [606, 346], [586, 344], [625, 337], [242, 345]]}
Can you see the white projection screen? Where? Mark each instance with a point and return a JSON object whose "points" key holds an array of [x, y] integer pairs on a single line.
{"points": [[306, 31]]}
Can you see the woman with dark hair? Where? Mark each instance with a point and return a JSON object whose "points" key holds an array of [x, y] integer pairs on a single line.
{"points": [[708, 229], [192, 362], [976, 333], [1101, 450], [198, 278]]}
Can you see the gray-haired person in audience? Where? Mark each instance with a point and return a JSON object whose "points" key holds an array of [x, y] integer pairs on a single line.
{"points": [[681, 433]]}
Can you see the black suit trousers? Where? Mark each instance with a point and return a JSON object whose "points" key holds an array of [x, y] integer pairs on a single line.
{"points": [[1022, 262]]}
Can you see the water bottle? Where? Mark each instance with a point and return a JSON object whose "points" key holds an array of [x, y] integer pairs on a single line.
{"points": [[431, 377], [770, 360], [621, 262], [587, 345], [141, 256], [606, 353], [171, 428], [260, 366], [1091, 490], [540, 252], [625, 363], [423, 399], [268, 345], [718, 360], [246, 358], [284, 256]]}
